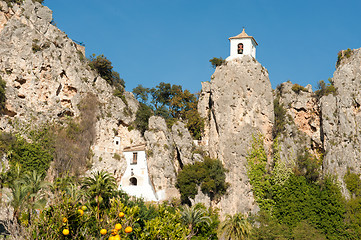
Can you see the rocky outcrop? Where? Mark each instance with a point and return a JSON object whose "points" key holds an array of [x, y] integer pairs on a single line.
{"points": [[47, 76], [183, 144], [327, 125], [160, 153], [301, 121], [341, 118], [237, 105], [168, 150]]}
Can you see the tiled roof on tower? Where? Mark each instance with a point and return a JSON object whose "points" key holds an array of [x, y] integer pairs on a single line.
{"points": [[243, 34]]}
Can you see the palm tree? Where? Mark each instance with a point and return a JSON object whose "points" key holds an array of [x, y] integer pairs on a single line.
{"points": [[235, 227], [18, 196], [34, 182], [34, 185], [192, 216], [99, 186], [3, 182]]}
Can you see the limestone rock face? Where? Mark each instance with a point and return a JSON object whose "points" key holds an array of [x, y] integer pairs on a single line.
{"points": [[167, 151], [47, 76], [302, 123], [183, 143], [237, 104], [160, 158], [341, 119]]}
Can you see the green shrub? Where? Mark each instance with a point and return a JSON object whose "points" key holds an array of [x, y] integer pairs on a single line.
{"points": [[142, 116], [298, 201], [118, 92], [308, 166], [29, 157], [11, 2], [116, 156], [342, 54], [101, 203], [325, 89], [280, 119], [353, 183], [298, 88], [73, 141], [195, 124], [2, 95], [266, 227], [258, 175], [80, 53], [304, 230], [210, 175], [217, 62], [35, 47], [105, 69], [322, 205]]}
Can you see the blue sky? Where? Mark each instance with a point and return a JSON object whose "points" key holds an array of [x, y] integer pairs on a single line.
{"points": [[172, 41]]}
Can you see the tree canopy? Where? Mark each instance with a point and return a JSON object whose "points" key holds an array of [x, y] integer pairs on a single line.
{"points": [[170, 102], [210, 175]]}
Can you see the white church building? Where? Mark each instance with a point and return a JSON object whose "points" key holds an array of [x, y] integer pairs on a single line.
{"points": [[241, 45], [135, 180]]}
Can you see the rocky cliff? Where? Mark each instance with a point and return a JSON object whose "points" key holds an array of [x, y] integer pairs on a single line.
{"points": [[47, 76], [341, 118], [326, 125], [237, 104]]}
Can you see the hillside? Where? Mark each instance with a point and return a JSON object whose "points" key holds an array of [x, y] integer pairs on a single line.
{"points": [[62, 117]]}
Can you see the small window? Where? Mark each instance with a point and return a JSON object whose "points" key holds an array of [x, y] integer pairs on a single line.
{"points": [[133, 181], [116, 143], [135, 158], [240, 48]]}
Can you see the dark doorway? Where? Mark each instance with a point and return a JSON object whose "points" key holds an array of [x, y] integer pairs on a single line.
{"points": [[133, 181]]}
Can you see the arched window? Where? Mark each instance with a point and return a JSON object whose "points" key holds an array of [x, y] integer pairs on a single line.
{"points": [[240, 48], [134, 159], [133, 181]]}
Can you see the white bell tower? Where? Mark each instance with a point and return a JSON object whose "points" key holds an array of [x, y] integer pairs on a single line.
{"points": [[242, 44]]}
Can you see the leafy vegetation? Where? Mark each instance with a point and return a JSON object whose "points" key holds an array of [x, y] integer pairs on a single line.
{"points": [[343, 54], [258, 174], [2, 95], [280, 114], [217, 62], [324, 89], [235, 227], [302, 203], [298, 88], [11, 2], [296, 202], [66, 147], [92, 207], [72, 142], [194, 217], [27, 157], [353, 183], [143, 114], [308, 166], [105, 69], [171, 103], [209, 175]]}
